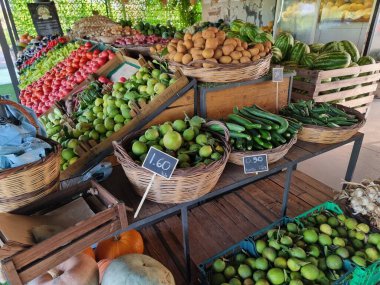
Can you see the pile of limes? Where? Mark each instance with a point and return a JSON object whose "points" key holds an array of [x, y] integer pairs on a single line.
{"points": [[183, 139], [310, 252]]}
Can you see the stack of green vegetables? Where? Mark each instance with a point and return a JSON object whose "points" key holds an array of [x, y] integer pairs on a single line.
{"points": [[253, 128], [321, 114]]}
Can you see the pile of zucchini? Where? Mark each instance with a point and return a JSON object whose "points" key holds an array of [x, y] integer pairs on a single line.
{"points": [[253, 128], [321, 114]]}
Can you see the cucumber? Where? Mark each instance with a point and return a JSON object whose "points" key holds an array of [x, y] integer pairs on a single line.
{"points": [[277, 137], [236, 135], [243, 121], [249, 145], [254, 133], [263, 114], [265, 124], [265, 135], [230, 126]]}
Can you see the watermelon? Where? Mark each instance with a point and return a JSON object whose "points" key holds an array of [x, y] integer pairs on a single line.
{"points": [[316, 47], [327, 80], [284, 42], [365, 60], [331, 46], [351, 48], [352, 64], [290, 63], [308, 60], [298, 51], [236, 25], [332, 60], [276, 55]]}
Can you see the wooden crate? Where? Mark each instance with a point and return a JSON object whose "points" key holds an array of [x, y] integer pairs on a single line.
{"points": [[89, 157], [110, 216], [217, 101], [311, 84]]}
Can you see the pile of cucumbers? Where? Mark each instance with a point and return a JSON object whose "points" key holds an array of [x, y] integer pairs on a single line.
{"points": [[252, 128], [321, 114]]}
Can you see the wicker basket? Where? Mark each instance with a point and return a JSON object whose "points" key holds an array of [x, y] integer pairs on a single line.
{"points": [[24, 184], [185, 184], [275, 154], [225, 72], [325, 135]]}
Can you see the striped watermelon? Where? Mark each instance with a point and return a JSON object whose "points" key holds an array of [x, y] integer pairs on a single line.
{"points": [[332, 60], [351, 48], [298, 51], [316, 47], [308, 60], [284, 42], [352, 64], [365, 60], [327, 80], [290, 63], [331, 46], [276, 55]]}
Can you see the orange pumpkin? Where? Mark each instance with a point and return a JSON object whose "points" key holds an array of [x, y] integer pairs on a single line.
{"points": [[128, 242], [102, 265], [90, 252]]}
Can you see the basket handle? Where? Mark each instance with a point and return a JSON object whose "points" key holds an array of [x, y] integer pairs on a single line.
{"points": [[223, 126], [22, 110]]}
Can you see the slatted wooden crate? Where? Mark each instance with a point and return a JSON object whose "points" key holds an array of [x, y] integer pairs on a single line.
{"points": [[110, 216], [355, 92]]}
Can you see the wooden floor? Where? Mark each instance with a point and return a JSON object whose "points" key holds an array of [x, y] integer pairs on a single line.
{"points": [[218, 224]]}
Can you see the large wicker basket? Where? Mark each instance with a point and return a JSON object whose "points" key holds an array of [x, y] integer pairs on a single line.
{"points": [[185, 184], [225, 72], [22, 185], [275, 154], [325, 135]]}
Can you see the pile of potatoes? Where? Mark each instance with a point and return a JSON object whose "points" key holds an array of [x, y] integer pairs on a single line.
{"points": [[212, 45]]}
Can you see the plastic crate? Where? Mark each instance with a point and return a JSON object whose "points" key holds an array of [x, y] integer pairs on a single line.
{"points": [[204, 267], [329, 206], [366, 276]]}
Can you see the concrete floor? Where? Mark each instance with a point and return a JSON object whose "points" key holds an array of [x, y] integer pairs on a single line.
{"points": [[330, 168]]}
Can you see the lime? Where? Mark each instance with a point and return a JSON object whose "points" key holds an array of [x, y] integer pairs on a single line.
{"points": [[217, 279], [293, 264], [292, 227], [94, 135], [240, 257], [165, 128], [333, 221], [280, 262], [143, 139], [172, 140], [325, 240], [98, 121], [67, 154], [179, 125], [334, 262], [310, 272], [65, 165], [73, 160], [244, 271], [286, 240], [188, 134], [157, 146], [184, 165], [219, 265], [151, 134], [276, 276], [109, 133], [339, 242], [363, 228], [359, 261], [262, 263], [321, 219], [312, 260], [156, 73], [310, 236], [334, 233], [248, 281], [216, 156], [360, 253], [294, 275], [139, 148], [117, 127], [229, 272], [159, 88], [269, 253], [109, 124], [201, 139], [314, 251], [295, 282], [360, 235], [258, 274], [374, 238], [326, 229], [371, 253], [234, 281], [351, 233], [358, 244], [126, 114], [322, 263], [341, 217], [251, 262], [183, 157], [275, 244], [73, 143], [260, 245], [84, 138], [96, 109], [297, 252], [351, 223], [205, 151], [342, 252], [99, 101], [100, 128], [262, 282]]}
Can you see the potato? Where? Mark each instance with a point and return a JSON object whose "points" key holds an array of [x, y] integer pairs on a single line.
{"points": [[255, 57], [159, 47], [199, 43], [245, 59], [246, 53], [268, 44], [254, 51], [206, 34], [196, 36], [218, 53], [181, 48], [212, 43], [235, 61], [152, 50], [209, 65], [260, 47], [239, 48], [227, 49], [195, 51], [178, 57], [208, 53], [230, 42], [187, 58], [221, 36], [225, 59], [171, 55], [244, 45], [187, 37], [262, 54], [198, 57], [236, 54], [188, 44], [171, 48], [174, 41], [267, 50], [238, 41], [213, 29]]}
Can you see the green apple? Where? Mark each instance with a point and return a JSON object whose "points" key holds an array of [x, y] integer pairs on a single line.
{"points": [[126, 114], [97, 109], [164, 77], [109, 123], [119, 102], [150, 90], [100, 128], [146, 76], [117, 85], [159, 88], [94, 135], [119, 118], [110, 102], [109, 133], [99, 101], [100, 115], [152, 81], [73, 143], [156, 73], [98, 121], [117, 127]]}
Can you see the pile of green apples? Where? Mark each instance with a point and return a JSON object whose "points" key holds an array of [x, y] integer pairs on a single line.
{"points": [[311, 251]]}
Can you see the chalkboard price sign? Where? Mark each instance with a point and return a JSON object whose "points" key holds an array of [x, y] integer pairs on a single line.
{"points": [[278, 74], [160, 163], [45, 18], [255, 163]]}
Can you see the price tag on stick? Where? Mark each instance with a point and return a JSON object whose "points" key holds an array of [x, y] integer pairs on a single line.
{"points": [[159, 163], [277, 76], [255, 163]]}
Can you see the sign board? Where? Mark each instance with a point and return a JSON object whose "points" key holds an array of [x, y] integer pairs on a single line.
{"points": [[45, 18], [160, 163], [255, 163], [125, 70], [278, 74]]}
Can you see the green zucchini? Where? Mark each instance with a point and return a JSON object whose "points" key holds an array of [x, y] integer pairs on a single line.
{"points": [[249, 145], [265, 124], [263, 114], [265, 135], [277, 137], [254, 133], [236, 135], [230, 126], [243, 122]]}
